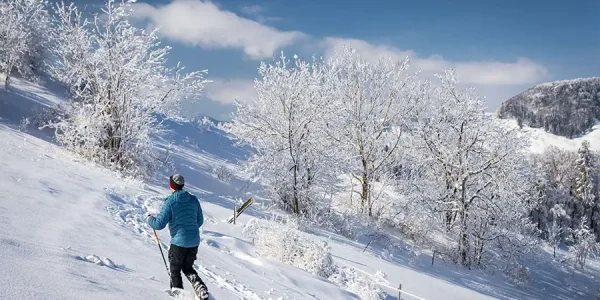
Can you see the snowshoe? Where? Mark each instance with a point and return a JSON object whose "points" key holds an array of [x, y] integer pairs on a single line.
{"points": [[201, 291]]}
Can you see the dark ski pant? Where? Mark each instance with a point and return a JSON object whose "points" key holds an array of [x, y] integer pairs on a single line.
{"points": [[182, 259]]}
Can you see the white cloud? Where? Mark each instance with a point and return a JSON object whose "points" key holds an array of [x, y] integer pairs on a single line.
{"points": [[257, 13], [227, 91], [200, 23], [522, 71], [364, 48], [252, 10]]}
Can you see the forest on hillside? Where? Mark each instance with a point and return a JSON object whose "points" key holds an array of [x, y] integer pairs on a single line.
{"points": [[567, 108]]}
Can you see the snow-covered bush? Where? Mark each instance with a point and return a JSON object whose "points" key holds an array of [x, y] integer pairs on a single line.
{"points": [[222, 172], [518, 275], [203, 124], [385, 203], [282, 241], [42, 116], [415, 225], [165, 161], [24, 124], [361, 285], [346, 224], [119, 83]]}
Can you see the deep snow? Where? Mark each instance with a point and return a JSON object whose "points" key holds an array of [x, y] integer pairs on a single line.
{"points": [[72, 230]]}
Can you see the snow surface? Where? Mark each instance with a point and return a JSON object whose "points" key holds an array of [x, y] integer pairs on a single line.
{"points": [[73, 230], [542, 139]]}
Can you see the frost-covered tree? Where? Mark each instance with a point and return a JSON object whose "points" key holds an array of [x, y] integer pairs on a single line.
{"points": [[372, 101], [555, 234], [203, 124], [558, 166], [23, 37], [584, 188], [120, 85], [570, 185], [583, 245], [478, 168], [595, 218], [12, 38], [285, 123], [555, 204]]}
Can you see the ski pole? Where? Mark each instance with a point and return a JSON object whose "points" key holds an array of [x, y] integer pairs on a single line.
{"points": [[161, 253]]}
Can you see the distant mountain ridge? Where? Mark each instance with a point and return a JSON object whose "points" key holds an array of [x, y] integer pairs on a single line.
{"points": [[567, 108]]}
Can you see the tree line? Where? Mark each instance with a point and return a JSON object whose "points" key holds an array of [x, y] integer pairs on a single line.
{"points": [[371, 139]]}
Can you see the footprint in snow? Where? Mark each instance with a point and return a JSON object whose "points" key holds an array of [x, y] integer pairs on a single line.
{"points": [[105, 262], [211, 243]]}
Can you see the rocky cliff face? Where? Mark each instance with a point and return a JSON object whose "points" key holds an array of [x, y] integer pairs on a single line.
{"points": [[567, 108]]}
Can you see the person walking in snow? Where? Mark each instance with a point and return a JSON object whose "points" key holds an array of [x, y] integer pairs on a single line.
{"points": [[183, 213]]}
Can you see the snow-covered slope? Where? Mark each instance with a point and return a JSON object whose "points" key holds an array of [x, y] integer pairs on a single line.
{"points": [[541, 139], [72, 230]]}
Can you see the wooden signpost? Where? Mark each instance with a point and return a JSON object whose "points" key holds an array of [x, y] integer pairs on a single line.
{"points": [[239, 211]]}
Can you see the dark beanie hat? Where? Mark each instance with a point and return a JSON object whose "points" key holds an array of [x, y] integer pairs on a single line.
{"points": [[176, 182]]}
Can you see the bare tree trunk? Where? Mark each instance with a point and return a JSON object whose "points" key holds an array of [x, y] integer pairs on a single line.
{"points": [[370, 201], [463, 244], [479, 251], [365, 191], [7, 79], [365, 194], [449, 219], [296, 206]]}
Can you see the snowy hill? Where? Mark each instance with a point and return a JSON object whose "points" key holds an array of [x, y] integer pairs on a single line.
{"points": [[73, 230], [566, 108], [542, 140]]}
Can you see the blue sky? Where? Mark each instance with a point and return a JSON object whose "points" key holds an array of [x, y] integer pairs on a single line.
{"points": [[499, 47]]}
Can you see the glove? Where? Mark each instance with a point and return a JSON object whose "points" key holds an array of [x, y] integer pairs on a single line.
{"points": [[148, 215]]}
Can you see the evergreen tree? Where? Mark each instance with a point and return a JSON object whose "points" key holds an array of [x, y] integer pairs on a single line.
{"points": [[584, 189]]}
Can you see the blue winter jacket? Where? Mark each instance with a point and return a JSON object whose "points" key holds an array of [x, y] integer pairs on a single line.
{"points": [[183, 213]]}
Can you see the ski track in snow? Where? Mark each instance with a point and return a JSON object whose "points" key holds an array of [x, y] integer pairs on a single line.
{"points": [[238, 289]]}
